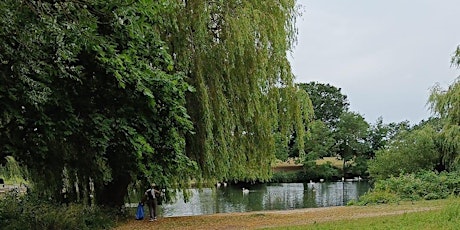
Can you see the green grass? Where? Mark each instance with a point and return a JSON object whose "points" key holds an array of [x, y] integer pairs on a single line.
{"points": [[333, 160], [445, 218]]}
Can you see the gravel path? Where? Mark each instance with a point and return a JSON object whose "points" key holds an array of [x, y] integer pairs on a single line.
{"points": [[254, 220]]}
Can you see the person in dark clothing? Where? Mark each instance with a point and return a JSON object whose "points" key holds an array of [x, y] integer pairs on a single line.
{"points": [[151, 200]]}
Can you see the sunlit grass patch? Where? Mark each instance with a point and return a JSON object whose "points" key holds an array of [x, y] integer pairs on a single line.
{"points": [[333, 160]]}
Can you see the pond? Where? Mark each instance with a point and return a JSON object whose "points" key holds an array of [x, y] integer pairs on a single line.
{"points": [[279, 196]]}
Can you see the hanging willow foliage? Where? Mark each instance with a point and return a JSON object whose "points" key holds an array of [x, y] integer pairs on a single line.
{"points": [[446, 103], [234, 54]]}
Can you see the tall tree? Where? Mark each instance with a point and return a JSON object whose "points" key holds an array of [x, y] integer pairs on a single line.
{"points": [[235, 58], [446, 103], [380, 134], [95, 91], [351, 134], [89, 93], [328, 101]]}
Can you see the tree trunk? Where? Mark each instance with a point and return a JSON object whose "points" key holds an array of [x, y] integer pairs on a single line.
{"points": [[113, 194]]}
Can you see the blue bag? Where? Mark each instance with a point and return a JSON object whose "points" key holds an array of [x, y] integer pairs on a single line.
{"points": [[140, 212]]}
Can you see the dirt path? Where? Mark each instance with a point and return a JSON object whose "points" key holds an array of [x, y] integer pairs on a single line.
{"points": [[254, 220]]}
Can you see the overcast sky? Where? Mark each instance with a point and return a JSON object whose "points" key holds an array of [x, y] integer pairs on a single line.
{"points": [[384, 55]]}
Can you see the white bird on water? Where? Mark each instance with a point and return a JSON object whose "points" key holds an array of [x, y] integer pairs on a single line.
{"points": [[245, 190]]}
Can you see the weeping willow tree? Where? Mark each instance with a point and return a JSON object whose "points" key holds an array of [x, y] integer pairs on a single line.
{"points": [[97, 94], [234, 54], [446, 103]]}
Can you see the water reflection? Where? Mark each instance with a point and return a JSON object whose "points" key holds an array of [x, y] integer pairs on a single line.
{"points": [[280, 196]]}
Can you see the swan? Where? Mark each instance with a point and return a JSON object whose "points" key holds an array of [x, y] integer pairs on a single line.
{"points": [[245, 190]]}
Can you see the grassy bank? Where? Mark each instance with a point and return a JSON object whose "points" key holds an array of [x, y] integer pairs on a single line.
{"points": [[328, 168], [405, 215], [447, 217]]}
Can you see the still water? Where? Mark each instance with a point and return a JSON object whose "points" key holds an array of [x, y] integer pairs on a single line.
{"points": [[280, 196]]}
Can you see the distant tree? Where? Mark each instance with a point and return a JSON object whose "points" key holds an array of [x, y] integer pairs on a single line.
{"points": [[350, 135], [320, 142], [408, 152], [380, 134], [328, 101]]}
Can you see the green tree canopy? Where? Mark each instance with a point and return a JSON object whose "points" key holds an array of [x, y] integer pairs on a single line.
{"points": [[101, 91], [381, 134], [88, 92], [328, 101], [350, 135], [409, 152], [320, 142]]}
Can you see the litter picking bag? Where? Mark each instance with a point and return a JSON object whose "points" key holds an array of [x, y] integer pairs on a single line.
{"points": [[140, 212]]}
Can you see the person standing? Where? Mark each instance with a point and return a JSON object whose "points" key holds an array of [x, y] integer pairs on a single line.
{"points": [[150, 198]]}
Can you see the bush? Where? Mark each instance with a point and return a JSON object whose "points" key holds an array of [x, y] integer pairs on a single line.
{"points": [[378, 197], [286, 177], [27, 212], [425, 185]]}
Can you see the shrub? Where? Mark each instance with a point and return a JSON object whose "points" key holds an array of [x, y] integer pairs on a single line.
{"points": [[285, 177], [378, 197], [27, 212], [426, 185]]}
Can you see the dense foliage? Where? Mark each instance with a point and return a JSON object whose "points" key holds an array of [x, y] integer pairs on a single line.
{"points": [[408, 167], [32, 212], [321, 140], [97, 94], [409, 152], [328, 101], [245, 105], [89, 94], [341, 133], [446, 103], [425, 185], [351, 134]]}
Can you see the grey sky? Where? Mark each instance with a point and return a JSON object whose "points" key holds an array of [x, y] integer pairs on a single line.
{"points": [[385, 55]]}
